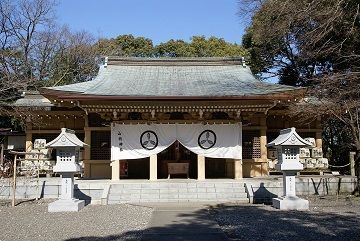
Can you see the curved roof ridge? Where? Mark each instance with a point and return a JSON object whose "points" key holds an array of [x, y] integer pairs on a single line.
{"points": [[177, 61]]}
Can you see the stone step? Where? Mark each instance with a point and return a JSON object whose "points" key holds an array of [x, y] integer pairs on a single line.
{"points": [[177, 192]]}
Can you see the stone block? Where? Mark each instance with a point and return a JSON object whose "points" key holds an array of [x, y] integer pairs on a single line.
{"points": [[150, 185], [323, 162], [150, 191], [201, 189], [272, 154], [272, 163], [132, 186], [311, 140], [188, 195], [316, 153], [191, 185], [210, 190], [149, 196], [206, 195], [169, 195], [223, 185], [310, 163], [304, 152], [182, 190], [169, 190], [224, 195], [290, 203], [193, 190], [205, 184], [71, 205]]}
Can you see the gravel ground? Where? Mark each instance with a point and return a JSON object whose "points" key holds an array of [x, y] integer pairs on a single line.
{"points": [[329, 218], [31, 221]]}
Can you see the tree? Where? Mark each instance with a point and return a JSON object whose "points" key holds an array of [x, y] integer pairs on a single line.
{"points": [[75, 59], [21, 24], [297, 39], [199, 46], [126, 46], [315, 44]]}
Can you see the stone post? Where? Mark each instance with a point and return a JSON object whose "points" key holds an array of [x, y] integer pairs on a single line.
{"points": [[153, 167], [201, 167], [352, 164], [67, 183]]}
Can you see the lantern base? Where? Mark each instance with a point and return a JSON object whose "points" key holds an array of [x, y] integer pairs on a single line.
{"points": [[290, 203], [62, 205]]}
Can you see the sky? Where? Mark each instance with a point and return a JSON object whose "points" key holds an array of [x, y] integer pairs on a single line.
{"points": [[159, 20]]}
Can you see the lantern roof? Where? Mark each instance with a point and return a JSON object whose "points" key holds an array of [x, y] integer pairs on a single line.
{"points": [[288, 137], [67, 138]]}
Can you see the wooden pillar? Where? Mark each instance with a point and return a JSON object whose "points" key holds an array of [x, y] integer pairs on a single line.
{"points": [[201, 167], [238, 174], [87, 150], [153, 167], [115, 170], [318, 134], [28, 137], [263, 141], [263, 148]]}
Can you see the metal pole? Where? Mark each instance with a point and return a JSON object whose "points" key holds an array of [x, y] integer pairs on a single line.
{"points": [[14, 182]]}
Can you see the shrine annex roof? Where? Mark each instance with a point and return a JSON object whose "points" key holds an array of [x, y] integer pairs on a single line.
{"points": [[172, 77]]}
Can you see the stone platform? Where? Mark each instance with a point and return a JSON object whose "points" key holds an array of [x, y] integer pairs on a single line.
{"points": [[72, 205], [290, 203], [260, 189]]}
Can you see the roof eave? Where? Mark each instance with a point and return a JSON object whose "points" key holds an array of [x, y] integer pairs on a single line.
{"points": [[64, 95]]}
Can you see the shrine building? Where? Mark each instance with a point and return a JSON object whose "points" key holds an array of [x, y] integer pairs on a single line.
{"points": [[158, 118]]}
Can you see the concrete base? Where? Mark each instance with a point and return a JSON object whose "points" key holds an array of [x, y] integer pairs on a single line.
{"points": [[72, 205], [290, 203]]}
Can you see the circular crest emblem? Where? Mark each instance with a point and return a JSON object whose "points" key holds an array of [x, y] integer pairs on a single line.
{"points": [[207, 139], [292, 139], [149, 140]]}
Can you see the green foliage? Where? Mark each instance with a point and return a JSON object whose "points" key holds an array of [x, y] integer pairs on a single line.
{"points": [[127, 46], [296, 40], [199, 46]]}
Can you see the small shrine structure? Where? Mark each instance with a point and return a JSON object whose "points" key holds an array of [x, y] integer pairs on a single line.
{"points": [[288, 145], [67, 147]]}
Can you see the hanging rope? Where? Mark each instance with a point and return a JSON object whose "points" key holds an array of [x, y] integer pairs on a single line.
{"points": [[340, 166]]}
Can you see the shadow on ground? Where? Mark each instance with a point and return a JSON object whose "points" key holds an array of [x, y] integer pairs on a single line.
{"points": [[266, 223], [250, 222]]}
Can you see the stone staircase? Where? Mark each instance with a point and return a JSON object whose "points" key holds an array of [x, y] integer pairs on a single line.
{"points": [[177, 191]]}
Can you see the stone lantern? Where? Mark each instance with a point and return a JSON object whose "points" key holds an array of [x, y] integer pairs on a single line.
{"points": [[67, 147], [288, 145]]}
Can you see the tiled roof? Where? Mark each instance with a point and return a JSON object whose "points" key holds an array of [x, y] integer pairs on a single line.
{"points": [[174, 77], [33, 99]]}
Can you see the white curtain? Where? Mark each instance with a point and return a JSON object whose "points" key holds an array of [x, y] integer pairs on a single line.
{"points": [[142, 140]]}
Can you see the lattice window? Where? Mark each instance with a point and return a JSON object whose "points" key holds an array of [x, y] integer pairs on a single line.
{"points": [[290, 153], [251, 144], [65, 155], [100, 148]]}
